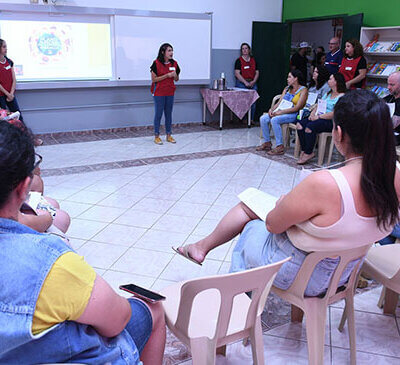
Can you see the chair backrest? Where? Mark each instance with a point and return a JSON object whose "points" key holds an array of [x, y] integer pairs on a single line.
{"points": [[275, 100], [258, 281], [299, 285]]}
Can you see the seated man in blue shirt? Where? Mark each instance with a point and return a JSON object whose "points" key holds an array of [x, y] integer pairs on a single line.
{"points": [[334, 56]]}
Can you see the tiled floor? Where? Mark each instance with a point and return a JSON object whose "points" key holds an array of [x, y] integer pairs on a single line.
{"points": [[125, 220]]}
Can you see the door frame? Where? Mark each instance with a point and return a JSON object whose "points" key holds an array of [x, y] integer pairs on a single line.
{"points": [[316, 18]]}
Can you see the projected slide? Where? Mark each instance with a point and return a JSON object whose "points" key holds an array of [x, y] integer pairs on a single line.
{"points": [[44, 50]]}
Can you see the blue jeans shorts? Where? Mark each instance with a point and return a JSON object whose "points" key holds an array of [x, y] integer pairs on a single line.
{"points": [[257, 247], [140, 325]]}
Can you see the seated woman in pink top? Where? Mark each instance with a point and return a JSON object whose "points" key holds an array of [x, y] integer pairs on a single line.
{"points": [[346, 207]]}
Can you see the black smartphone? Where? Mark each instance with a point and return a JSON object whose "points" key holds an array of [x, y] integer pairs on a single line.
{"points": [[142, 293]]}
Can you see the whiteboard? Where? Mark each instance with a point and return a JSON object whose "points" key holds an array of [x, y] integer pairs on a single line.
{"points": [[137, 40]]}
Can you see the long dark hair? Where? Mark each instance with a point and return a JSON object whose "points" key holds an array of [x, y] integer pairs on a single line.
{"points": [[245, 44], [161, 52], [300, 78], [358, 48], [340, 83], [16, 159], [323, 77], [366, 120], [2, 41]]}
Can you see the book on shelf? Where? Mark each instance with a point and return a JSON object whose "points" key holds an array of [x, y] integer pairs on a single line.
{"points": [[395, 47], [371, 42], [378, 90], [375, 46], [384, 69], [381, 67]]}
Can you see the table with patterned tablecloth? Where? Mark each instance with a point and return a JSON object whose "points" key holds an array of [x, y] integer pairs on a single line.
{"points": [[237, 100]]}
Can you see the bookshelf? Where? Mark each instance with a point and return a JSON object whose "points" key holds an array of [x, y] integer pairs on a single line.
{"points": [[382, 52]]}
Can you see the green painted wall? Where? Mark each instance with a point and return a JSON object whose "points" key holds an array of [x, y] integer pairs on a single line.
{"points": [[376, 13]]}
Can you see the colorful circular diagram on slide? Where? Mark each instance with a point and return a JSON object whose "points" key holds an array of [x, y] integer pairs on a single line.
{"points": [[51, 44]]}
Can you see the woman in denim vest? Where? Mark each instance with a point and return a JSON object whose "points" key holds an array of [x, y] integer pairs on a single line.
{"points": [[54, 308]]}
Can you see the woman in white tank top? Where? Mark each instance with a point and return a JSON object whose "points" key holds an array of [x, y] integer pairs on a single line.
{"points": [[343, 208]]}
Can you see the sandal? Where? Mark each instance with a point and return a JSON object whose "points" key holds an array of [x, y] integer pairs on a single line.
{"points": [[305, 158], [185, 253]]}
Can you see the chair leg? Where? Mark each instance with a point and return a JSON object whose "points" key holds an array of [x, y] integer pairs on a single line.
{"points": [[285, 130], [349, 309], [391, 298], [330, 151], [257, 344], [343, 320], [203, 351], [382, 297], [297, 146], [296, 314], [321, 149], [315, 329]]}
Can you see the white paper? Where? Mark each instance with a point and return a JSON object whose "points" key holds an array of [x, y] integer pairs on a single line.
{"points": [[284, 104], [33, 199], [259, 202], [312, 98], [392, 107], [321, 109], [240, 89]]}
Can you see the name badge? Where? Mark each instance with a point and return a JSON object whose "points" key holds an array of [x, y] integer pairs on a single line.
{"points": [[172, 68], [246, 67], [8, 67], [348, 68]]}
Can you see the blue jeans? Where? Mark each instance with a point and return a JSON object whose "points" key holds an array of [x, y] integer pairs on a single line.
{"points": [[392, 237], [276, 126], [240, 85], [257, 247], [11, 105], [307, 139], [163, 104], [140, 325]]}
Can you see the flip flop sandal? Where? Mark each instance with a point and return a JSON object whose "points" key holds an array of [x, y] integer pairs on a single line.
{"points": [[185, 253]]}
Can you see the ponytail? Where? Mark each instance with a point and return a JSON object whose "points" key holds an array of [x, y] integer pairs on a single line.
{"points": [[366, 120]]}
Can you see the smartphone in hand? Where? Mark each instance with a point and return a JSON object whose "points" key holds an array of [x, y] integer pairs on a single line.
{"points": [[142, 293]]}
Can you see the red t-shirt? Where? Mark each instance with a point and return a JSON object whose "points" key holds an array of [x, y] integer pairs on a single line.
{"points": [[6, 78], [247, 69], [167, 86]]}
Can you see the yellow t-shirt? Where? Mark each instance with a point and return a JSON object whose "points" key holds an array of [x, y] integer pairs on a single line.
{"points": [[65, 292]]}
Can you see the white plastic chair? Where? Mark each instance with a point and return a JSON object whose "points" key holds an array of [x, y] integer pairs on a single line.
{"points": [[383, 264], [208, 313], [315, 308], [322, 139]]}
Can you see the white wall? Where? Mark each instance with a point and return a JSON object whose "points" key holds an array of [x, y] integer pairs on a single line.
{"points": [[232, 19]]}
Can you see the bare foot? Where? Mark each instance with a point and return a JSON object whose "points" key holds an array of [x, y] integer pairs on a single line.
{"points": [[194, 252]]}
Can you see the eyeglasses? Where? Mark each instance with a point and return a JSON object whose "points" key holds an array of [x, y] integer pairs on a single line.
{"points": [[332, 44], [38, 160]]}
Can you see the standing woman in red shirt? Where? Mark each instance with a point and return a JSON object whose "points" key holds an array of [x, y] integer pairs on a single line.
{"points": [[7, 81], [354, 65], [164, 71], [246, 71]]}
